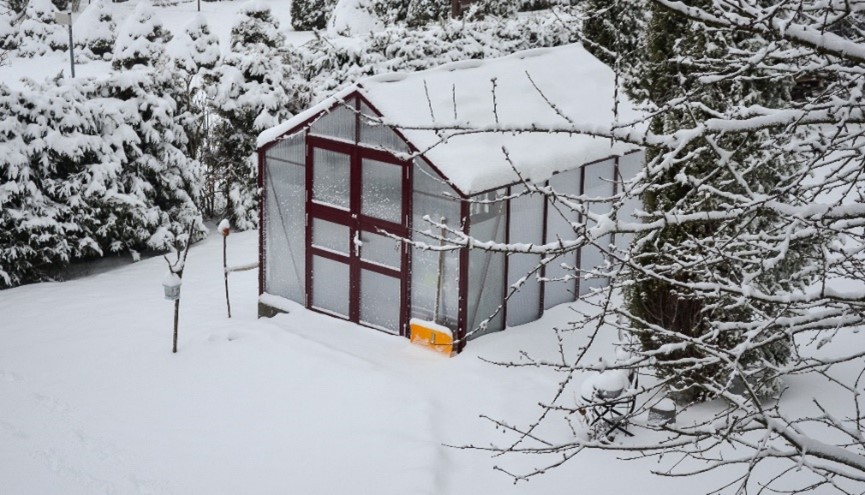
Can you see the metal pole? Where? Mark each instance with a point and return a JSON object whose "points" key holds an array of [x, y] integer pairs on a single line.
{"points": [[71, 53], [199, 5]]}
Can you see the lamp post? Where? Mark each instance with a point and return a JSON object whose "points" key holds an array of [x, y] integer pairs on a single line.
{"points": [[66, 18]]}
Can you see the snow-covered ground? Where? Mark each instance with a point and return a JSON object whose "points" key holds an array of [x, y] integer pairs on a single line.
{"points": [[93, 401]]}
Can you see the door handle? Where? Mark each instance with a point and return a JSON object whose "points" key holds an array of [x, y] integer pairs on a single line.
{"points": [[357, 243]]}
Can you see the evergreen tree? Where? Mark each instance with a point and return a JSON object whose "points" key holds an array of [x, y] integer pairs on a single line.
{"points": [[307, 15], [57, 173], [95, 31], [8, 31], [159, 183], [141, 39], [673, 56], [195, 55], [480, 9], [420, 12], [38, 33], [614, 32], [257, 89]]}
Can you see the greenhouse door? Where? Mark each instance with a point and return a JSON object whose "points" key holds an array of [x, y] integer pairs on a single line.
{"points": [[357, 206]]}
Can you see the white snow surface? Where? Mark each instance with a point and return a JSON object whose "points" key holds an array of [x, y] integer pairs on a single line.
{"points": [[93, 401], [461, 94]]}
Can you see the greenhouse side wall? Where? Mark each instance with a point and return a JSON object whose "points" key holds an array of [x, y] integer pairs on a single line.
{"points": [[562, 285], [285, 213], [598, 182], [435, 275], [525, 227], [486, 288]]}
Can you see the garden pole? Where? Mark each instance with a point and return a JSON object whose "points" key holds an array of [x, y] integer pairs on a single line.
{"points": [[225, 271]]}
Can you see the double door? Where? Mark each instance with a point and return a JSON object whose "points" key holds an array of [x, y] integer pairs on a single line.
{"points": [[357, 210]]}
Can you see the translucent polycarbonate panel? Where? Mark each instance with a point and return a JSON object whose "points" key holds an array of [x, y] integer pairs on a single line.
{"points": [[338, 122], [380, 249], [290, 149], [331, 236], [330, 286], [629, 166], [526, 227], [486, 268], [331, 179], [380, 301], [381, 190], [599, 183], [561, 272], [285, 228], [373, 133], [435, 275], [427, 181], [592, 258]]}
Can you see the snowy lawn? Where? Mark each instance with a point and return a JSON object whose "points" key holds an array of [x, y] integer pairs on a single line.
{"points": [[92, 400]]}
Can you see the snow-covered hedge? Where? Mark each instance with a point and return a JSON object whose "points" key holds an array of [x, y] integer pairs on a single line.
{"points": [[332, 61], [307, 15], [90, 166]]}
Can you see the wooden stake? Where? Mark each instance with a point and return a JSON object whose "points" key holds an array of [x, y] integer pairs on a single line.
{"points": [[225, 271]]}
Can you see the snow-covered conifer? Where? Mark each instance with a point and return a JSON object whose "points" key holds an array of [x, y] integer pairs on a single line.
{"points": [[95, 31], [420, 12], [58, 172], [196, 48], [257, 89], [160, 181], [194, 54], [307, 15], [141, 39], [8, 31], [38, 33], [496, 8]]}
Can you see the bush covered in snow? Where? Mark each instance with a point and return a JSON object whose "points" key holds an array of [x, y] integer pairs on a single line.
{"points": [[420, 12], [38, 33], [91, 166], [307, 15], [95, 31], [8, 31], [331, 61], [141, 39]]}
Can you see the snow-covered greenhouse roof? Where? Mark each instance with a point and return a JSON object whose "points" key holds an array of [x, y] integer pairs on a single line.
{"points": [[558, 87]]}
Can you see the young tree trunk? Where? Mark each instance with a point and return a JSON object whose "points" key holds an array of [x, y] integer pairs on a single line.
{"points": [[225, 272]]}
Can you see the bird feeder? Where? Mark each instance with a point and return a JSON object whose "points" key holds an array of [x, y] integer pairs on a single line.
{"points": [[224, 228], [171, 284]]}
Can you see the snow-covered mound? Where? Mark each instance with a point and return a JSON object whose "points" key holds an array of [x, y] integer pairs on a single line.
{"points": [[353, 17]]}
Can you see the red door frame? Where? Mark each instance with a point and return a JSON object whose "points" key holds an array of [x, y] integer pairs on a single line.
{"points": [[356, 221]]}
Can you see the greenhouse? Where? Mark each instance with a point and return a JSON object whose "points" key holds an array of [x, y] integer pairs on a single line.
{"points": [[383, 160]]}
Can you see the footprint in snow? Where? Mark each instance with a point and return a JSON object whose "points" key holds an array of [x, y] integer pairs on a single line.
{"points": [[8, 376]]}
